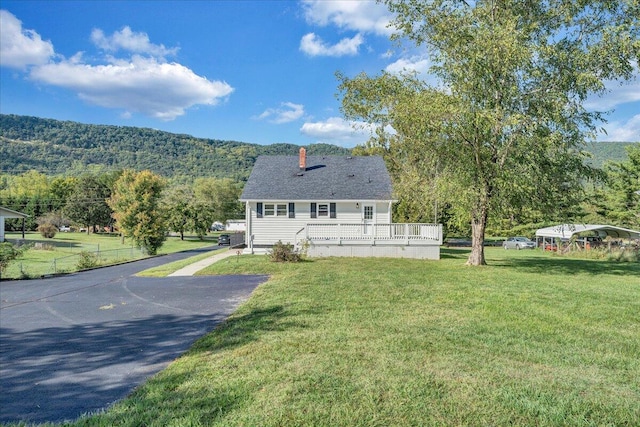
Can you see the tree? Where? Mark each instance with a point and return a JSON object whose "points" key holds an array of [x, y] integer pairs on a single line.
{"points": [[87, 204], [136, 205], [176, 205], [54, 218], [505, 124], [200, 214], [622, 194], [185, 212], [28, 193], [31, 183], [60, 189], [221, 195]]}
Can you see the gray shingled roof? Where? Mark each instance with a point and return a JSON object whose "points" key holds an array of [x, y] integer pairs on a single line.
{"points": [[325, 178]]}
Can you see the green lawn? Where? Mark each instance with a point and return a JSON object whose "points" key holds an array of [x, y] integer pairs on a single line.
{"points": [[531, 340], [61, 254]]}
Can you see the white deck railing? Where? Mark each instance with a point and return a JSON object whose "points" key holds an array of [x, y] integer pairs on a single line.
{"points": [[404, 234]]}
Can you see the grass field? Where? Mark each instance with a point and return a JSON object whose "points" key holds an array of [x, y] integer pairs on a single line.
{"points": [[61, 254], [530, 340]]}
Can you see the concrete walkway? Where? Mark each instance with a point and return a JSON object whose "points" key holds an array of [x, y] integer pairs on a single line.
{"points": [[192, 269]]}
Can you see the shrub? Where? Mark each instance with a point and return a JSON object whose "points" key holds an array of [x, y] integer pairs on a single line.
{"points": [[282, 252], [47, 230], [625, 255], [602, 253], [8, 253], [87, 260], [43, 246]]}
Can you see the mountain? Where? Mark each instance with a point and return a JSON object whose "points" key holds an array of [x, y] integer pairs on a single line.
{"points": [[55, 147], [608, 151]]}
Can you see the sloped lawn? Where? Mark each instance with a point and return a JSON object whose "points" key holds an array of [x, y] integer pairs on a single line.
{"points": [[531, 340], [61, 254]]}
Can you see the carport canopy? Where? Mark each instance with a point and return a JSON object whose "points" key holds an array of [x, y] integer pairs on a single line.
{"points": [[567, 231], [8, 213]]}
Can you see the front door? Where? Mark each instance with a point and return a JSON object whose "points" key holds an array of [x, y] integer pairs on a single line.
{"points": [[367, 219]]}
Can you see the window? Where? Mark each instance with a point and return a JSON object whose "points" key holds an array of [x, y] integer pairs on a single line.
{"points": [[368, 212], [323, 209], [275, 209], [268, 209]]}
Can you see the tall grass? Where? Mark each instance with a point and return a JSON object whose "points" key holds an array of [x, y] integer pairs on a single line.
{"points": [[531, 340]]}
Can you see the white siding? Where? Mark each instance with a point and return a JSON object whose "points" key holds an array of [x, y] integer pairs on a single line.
{"points": [[418, 252], [268, 230]]}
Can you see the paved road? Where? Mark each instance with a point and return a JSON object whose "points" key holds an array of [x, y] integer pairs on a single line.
{"points": [[75, 344]]}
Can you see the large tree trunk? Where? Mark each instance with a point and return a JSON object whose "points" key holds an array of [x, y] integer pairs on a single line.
{"points": [[478, 225]]}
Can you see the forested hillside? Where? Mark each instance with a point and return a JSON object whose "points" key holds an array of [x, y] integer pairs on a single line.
{"points": [[53, 147], [612, 151]]}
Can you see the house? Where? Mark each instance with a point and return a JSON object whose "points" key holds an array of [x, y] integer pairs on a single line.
{"points": [[8, 213], [334, 205]]}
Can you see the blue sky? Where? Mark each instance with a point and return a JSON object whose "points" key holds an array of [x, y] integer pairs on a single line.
{"points": [[252, 71]]}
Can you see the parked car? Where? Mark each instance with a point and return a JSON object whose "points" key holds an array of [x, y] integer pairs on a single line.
{"points": [[65, 229], [518, 243], [224, 239]]}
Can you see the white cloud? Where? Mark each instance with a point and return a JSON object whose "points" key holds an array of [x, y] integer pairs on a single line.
{"points": [[336, 130], [130, 41], [628, 131], [141, 85], [288, 112], [20, 48], [418, 64], [147, 85], [313, 45], [617, 94], [362, 16]]}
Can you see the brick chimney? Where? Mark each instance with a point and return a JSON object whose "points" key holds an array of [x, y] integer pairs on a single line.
{"points": [[303, 159]]}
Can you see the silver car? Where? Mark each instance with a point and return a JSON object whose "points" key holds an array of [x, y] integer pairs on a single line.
{"points": [[518, 243]]}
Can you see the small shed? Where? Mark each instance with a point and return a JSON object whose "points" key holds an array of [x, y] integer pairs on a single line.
{"points": [[565, 232], [8, 213]]}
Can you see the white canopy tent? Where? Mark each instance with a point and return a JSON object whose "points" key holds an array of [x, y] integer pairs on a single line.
{"points": [[565, 232]]}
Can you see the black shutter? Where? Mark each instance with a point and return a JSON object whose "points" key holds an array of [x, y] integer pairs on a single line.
{"points": [[314, 210], [332, 210], [258, 210], [292, 210]]}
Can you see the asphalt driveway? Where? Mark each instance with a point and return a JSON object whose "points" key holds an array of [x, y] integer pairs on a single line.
{"points": [[75, 344]]}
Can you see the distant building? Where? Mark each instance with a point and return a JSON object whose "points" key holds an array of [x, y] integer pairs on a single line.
{"points": [[237, 225], [8, 213]]}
